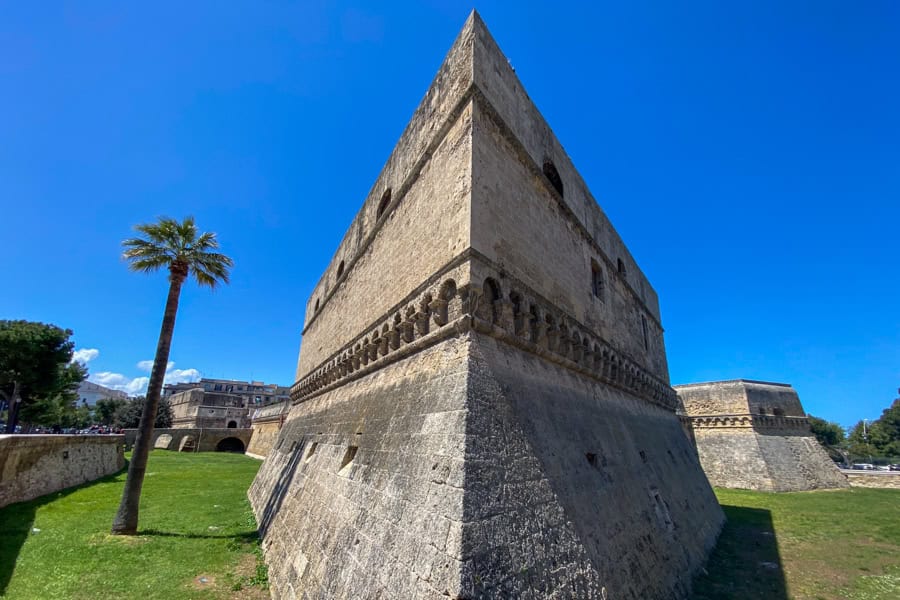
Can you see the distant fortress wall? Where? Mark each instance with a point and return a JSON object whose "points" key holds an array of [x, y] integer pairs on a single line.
{"points": [[754, 435]]}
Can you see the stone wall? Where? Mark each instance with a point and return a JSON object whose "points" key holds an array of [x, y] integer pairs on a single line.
{"points": [[384, 521], [869, 479], [35, 465], [266, 425], [754, 435]]}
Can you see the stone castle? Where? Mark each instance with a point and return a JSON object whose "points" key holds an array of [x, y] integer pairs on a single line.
{"points": [[482, 406], [754, 435]]}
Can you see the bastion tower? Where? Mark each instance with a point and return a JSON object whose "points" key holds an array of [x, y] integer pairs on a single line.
{"points": [[754, 435], [482, 406]]}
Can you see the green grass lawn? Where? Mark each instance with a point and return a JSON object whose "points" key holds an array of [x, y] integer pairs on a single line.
{"points": [[197, 536], [807, 545]]}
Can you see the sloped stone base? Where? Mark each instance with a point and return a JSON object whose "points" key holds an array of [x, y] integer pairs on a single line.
{"points": [[475, 470]]}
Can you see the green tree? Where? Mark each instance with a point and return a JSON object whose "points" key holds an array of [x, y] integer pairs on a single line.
{"points": [[83, 417], [34, 364], [889, 424], [829, 433], [128, 413], [183, 251], [106, 408], [57, 408]]}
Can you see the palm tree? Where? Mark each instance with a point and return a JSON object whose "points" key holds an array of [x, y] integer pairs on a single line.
{"points": [[183, 251]]}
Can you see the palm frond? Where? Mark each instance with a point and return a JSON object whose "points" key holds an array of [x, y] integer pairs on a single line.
{"points": [[167, 241]]}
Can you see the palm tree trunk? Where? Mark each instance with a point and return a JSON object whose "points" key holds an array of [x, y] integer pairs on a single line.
{"points": [[126, 520]]}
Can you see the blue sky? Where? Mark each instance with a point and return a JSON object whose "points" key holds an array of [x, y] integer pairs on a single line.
{"points": [[748, 154]]}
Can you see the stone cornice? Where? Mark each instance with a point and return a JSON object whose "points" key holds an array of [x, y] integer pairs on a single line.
{"points": [[440, 310], [746, 420]]}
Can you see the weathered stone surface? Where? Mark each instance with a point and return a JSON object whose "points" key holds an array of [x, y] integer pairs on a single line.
{"points": [[869, 479], [266, 424], [34, 465], [754, 435], [482, 406]]}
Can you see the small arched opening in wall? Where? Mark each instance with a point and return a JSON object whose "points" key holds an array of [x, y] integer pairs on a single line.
{"points": [[187, 444], [383, 203], [620, 266], [230, 444], [553, 175], [448, 290], [232, 425], [492, 293]]}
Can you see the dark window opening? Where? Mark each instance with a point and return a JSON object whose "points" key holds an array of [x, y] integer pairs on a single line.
{"points": [[317, 306], [762, 410], [778, 412], [385, 200], [591, 458], [340, 270], [597, 284], [643, 456], [232, 424], [620, 265], [553, 175]]}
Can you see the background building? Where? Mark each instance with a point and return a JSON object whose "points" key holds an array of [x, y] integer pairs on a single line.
{"points": [[253, 393], [220, 402], [89, 393]]}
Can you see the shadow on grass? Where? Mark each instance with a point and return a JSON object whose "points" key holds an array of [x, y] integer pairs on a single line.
{"points": [[16, 521], [249, 537], [745, 562]]}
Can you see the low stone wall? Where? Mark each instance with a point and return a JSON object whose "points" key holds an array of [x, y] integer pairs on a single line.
{"points": [[873, 479], [34, 465]]}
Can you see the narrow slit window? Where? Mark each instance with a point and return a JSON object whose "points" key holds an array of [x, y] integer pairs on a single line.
{"points": [[347, 461], [646, 335], [383, 203], [312, 451], [553, 175], [340, 269], [597, 284]]}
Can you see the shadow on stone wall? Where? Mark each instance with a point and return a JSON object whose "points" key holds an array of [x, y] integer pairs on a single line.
{"points": [[745, 562], [16, 521], [279, 491]]}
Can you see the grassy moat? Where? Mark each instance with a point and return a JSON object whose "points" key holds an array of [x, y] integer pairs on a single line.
{"points": [[197, 536], [198, 540]]}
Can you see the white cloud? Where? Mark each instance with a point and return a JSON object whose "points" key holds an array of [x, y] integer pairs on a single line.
{"points": [[85, 355], [147, 365], [138, 385]]}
